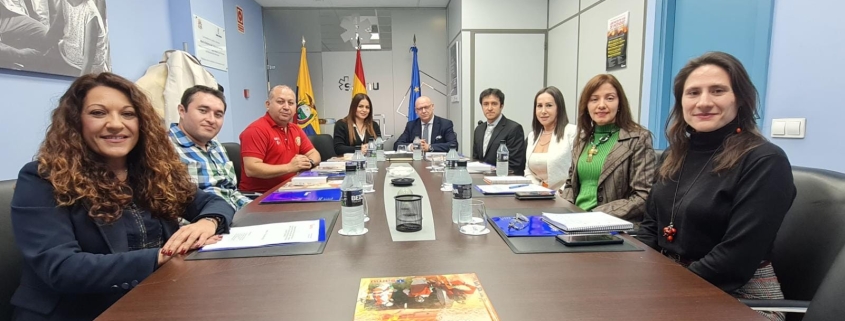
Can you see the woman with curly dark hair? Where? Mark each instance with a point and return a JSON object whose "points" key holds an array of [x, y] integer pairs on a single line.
{"points": [[97, 212]]}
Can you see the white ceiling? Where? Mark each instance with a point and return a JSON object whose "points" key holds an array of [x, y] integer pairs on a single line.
{"points": [[355, 3]]}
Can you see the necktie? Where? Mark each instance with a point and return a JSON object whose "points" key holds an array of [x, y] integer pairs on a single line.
{"points": [[487, 135], [425, 133]]}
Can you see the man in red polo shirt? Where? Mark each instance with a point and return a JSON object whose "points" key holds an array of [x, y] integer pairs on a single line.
{"points": [[273, 147]]}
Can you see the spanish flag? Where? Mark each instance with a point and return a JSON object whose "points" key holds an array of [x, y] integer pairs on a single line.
{"points": [[359, 85], [306, 111]]}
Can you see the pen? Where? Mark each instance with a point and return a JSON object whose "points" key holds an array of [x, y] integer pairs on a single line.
{"points": [[517, 186]]}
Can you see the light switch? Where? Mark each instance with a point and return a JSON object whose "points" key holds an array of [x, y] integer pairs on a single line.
{"points": [[789, 127], [793, 128], [778, 128]]}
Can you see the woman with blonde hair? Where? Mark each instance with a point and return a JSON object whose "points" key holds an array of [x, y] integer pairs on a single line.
{"points": [[98, 211], [612, 161]]}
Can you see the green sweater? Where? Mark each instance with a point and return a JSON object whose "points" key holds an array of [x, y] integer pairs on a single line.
{"points": [[589, 172]]}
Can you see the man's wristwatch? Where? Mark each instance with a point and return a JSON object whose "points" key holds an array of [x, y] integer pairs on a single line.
{"points": [[312, 163]]}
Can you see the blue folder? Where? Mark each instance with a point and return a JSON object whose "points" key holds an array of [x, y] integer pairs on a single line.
{"points": [[536, 227], [322, 195]]}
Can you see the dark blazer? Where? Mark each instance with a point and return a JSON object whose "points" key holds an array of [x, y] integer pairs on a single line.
{"points": [[341, 137], [514, 137], [626, 176], [442, 134], [74, 268]]}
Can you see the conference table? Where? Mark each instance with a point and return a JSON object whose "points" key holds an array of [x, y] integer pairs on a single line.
{"points": [[640, 285]]}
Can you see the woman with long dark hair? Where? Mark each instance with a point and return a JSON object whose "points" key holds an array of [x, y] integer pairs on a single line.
{"points": [[357, 127], [549, 152], [612, 161], [98, 211], [723, 189]]}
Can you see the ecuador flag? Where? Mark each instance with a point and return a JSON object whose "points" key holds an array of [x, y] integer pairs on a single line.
{"points": [[306, 111]]}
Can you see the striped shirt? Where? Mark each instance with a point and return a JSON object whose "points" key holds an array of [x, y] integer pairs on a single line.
{"points": [[211, 170]]}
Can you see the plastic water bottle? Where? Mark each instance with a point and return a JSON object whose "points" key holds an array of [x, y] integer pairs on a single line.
{"points": [[360, 164], [372, 165], [461, 194], [450, 166], [417, 149], [380, 150], [352, 202], [502, 156]]}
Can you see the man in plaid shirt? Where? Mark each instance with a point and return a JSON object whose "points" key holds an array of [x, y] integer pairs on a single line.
{"points": [[200, 117]]}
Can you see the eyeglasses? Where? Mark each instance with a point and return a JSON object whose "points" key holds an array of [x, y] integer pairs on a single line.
{"points": [[424, 108], [518, 222]]}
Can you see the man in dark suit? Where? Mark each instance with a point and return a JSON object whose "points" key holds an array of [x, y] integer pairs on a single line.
{"points": [[489, 133], [435, 133]]}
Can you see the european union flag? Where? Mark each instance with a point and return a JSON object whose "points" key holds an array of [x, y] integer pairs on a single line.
{"points": [[415, 87]]}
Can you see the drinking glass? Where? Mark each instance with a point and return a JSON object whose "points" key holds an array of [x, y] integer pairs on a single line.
{"points": [[402, 148], [369, 182], [437, 163], [477, 222]]}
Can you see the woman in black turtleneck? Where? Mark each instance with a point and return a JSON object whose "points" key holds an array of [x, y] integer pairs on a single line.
{"points": [[722, 190]]}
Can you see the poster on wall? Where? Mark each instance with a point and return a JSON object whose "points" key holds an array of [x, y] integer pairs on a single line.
{"points": [[454, 71], [239, 12], [617, 42], [63, 37], [210, 44]]}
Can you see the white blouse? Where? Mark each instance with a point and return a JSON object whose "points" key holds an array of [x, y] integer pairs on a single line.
{"points": [[537, 164]]}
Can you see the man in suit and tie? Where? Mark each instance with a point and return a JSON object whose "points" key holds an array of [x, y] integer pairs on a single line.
{"points": [[489, 133], [435, 133]]}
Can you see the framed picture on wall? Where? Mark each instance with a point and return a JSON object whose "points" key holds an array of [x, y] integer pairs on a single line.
{"points": [[62, 37], [455, 71]]}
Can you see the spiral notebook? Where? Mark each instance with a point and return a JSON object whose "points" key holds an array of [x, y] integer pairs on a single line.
{"points": [[588, 222]]}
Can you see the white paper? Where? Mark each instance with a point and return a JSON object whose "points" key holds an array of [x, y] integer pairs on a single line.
{"points": [[506, 188], [477, 167], [268, 234]]}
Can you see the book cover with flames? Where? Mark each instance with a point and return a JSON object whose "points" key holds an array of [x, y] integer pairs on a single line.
{"points": [[424, 298]]}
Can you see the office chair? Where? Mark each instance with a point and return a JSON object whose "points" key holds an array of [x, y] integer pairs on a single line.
{"points": [[827, 303], [10, 256], [809, 240], [233, 150], [324, 143]]}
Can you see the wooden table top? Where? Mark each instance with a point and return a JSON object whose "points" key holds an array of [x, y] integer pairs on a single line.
{"points": [[641, 285]]}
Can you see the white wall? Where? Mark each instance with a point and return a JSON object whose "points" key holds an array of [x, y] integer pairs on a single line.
{"points": [[563, 63], [560, 10], [466, 125], [504, 14], [587, 35], [453, 14], [515, 68]]}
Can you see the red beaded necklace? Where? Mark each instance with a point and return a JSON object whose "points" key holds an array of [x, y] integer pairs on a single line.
{"points": [[669, 231]]}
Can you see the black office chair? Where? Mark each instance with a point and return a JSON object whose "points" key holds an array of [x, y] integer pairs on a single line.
{"points": [[658, 154], [809, 240], [233, 150], [324, 143], [827, 303], [10, 257]]}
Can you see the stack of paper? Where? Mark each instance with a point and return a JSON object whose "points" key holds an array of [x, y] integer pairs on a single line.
{"points": [[270, 234], [331, 166], [493, 180], [478, 167], [308, 180], [588, 222], [511, 189]]}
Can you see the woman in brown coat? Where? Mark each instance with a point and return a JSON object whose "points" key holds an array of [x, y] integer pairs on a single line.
{"points": [[612, 160]]}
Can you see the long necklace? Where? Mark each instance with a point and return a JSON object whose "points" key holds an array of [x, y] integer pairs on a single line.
{"points": [[594, 145], [669, 231]]}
